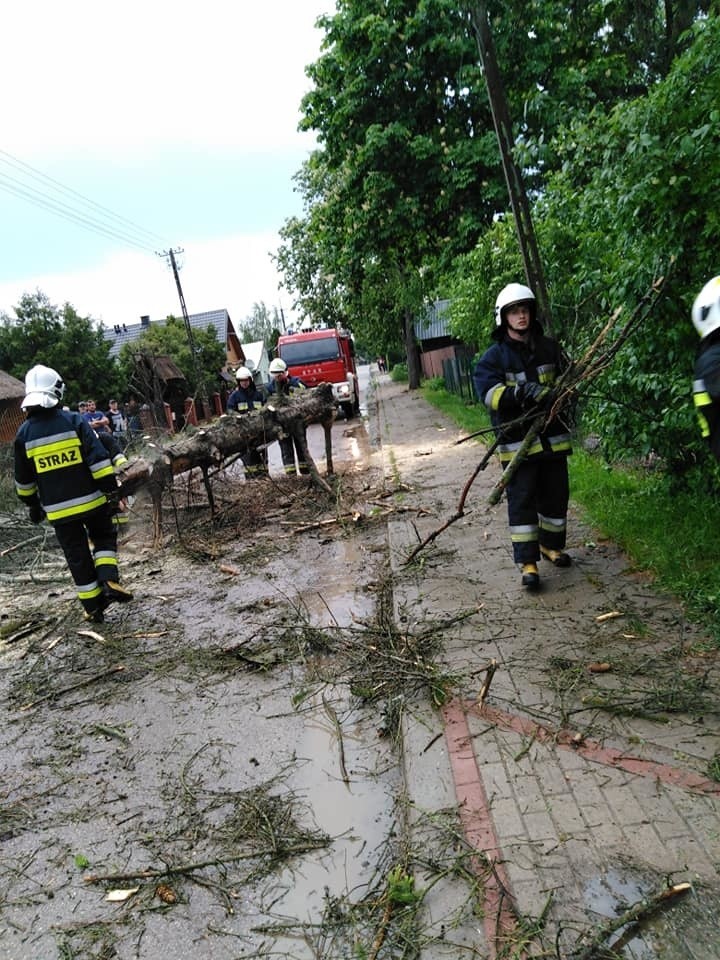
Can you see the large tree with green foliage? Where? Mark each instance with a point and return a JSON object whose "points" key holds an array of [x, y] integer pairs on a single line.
{"points": [[262, 324], [170, 339], [41, 332], [401, 147], [407, 176], [632, 190]]}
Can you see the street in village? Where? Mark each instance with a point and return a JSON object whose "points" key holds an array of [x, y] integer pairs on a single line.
{"points": [[294, 743]]}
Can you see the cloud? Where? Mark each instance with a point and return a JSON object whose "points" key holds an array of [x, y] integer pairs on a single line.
{"points": [[231, 272], [131, 76]]}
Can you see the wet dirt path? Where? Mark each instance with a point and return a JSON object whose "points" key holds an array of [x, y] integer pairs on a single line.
{"points": [[199, 756]]}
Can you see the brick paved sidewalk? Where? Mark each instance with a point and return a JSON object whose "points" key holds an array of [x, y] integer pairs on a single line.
{"points": [[585, 790]]}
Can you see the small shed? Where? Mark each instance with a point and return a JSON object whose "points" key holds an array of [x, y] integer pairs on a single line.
{"points": [[442, 354], [12, 392]]}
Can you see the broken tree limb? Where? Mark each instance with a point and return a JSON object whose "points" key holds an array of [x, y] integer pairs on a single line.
{"points": [[229, 437], [460, 512], [151, 873], [237, 434], [594, 947], [485, 688]]}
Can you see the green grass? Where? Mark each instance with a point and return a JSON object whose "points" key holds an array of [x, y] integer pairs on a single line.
{"points": [[670, 534]]}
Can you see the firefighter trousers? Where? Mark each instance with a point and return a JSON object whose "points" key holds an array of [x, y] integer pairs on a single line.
{"points": [[537, 499], [288, 446], [90, 568]]}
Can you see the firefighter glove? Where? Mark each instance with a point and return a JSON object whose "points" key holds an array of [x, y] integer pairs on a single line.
{"points": [[535, 393], [36, 512]]}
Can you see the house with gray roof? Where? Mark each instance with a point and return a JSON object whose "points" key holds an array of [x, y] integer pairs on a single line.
{"points": [[120, 334]]}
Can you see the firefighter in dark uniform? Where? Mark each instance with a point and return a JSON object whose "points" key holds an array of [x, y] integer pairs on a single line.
{"points": [[283, 385], [64, 473], [244, 399], [514, 378], [706, 378]]}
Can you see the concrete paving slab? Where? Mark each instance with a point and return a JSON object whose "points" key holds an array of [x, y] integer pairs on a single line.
{"points": [[582, 807]]}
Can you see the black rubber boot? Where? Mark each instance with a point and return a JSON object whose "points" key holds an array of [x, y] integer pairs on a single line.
{"points": [[530, 576]]}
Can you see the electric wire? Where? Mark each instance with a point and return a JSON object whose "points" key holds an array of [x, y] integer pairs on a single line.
{"points": [[68, 214], [96, 217]]}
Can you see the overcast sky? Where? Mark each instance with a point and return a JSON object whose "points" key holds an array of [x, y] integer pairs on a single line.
{"points": [[167, 125]]}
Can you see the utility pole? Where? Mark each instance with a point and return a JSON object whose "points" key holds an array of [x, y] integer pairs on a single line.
{"points": [[513, 177], [188, 329]]}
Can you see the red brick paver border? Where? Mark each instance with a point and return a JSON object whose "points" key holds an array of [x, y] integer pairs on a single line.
{"points": [[594, 751]]}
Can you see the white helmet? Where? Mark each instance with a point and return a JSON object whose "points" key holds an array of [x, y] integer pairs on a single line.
{"points": [[44, 387], [242, 373], [278, 366], [514, 293], [706, 309]]}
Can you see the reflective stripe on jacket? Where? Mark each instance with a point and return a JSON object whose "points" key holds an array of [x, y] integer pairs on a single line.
{"points": [[61, 463], [501, 368]]}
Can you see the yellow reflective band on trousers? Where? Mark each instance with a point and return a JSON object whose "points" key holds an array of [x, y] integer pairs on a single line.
{"points": [[554, 524], [701, 398], [56, 455], [525, 533], [106, 558], [26, 489], [89, 590]]}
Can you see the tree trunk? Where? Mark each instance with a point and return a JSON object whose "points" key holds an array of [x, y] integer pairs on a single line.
{"points": [[413, 357], [236, 434]]}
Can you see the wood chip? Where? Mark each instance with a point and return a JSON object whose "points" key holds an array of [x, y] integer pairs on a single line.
{"points": [[118, 896], [599, 667], [608, 616]]}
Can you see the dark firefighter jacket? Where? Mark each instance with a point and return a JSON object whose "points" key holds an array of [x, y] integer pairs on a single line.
{"points": [[243, 399], [61, 463], [499, 370], [706, 392], [285, 388]]}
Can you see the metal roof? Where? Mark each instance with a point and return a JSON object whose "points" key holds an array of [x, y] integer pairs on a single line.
{"points": [[434, 323], [120, 334]]}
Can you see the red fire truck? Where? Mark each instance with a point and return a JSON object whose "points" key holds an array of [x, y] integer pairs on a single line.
{"points": [[324, 356]]}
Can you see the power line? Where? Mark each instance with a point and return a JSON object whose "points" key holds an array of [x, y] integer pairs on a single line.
{"points": [[68, 213], [97, 218]]}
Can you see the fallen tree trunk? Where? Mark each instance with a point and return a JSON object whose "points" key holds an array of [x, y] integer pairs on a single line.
{"points": [[235, 434]]}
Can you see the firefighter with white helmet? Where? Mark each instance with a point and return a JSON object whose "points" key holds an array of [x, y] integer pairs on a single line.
{"points": [[706, 377], [246, 398], [514, 378], [282, 384], [63, 473]]}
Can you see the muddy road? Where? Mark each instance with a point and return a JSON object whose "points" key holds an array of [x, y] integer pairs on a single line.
{"points": [[209, 773], [279, 749]]}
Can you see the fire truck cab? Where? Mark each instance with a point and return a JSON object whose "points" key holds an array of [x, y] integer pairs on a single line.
{"points": [[324, 356]]}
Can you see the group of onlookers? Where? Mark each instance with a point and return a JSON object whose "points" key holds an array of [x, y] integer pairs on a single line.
{"points": [[114, 421]]}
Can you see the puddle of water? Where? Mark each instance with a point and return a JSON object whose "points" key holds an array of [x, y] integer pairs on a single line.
{"points": [[675, 931], [610, 895], [358, 815]]}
